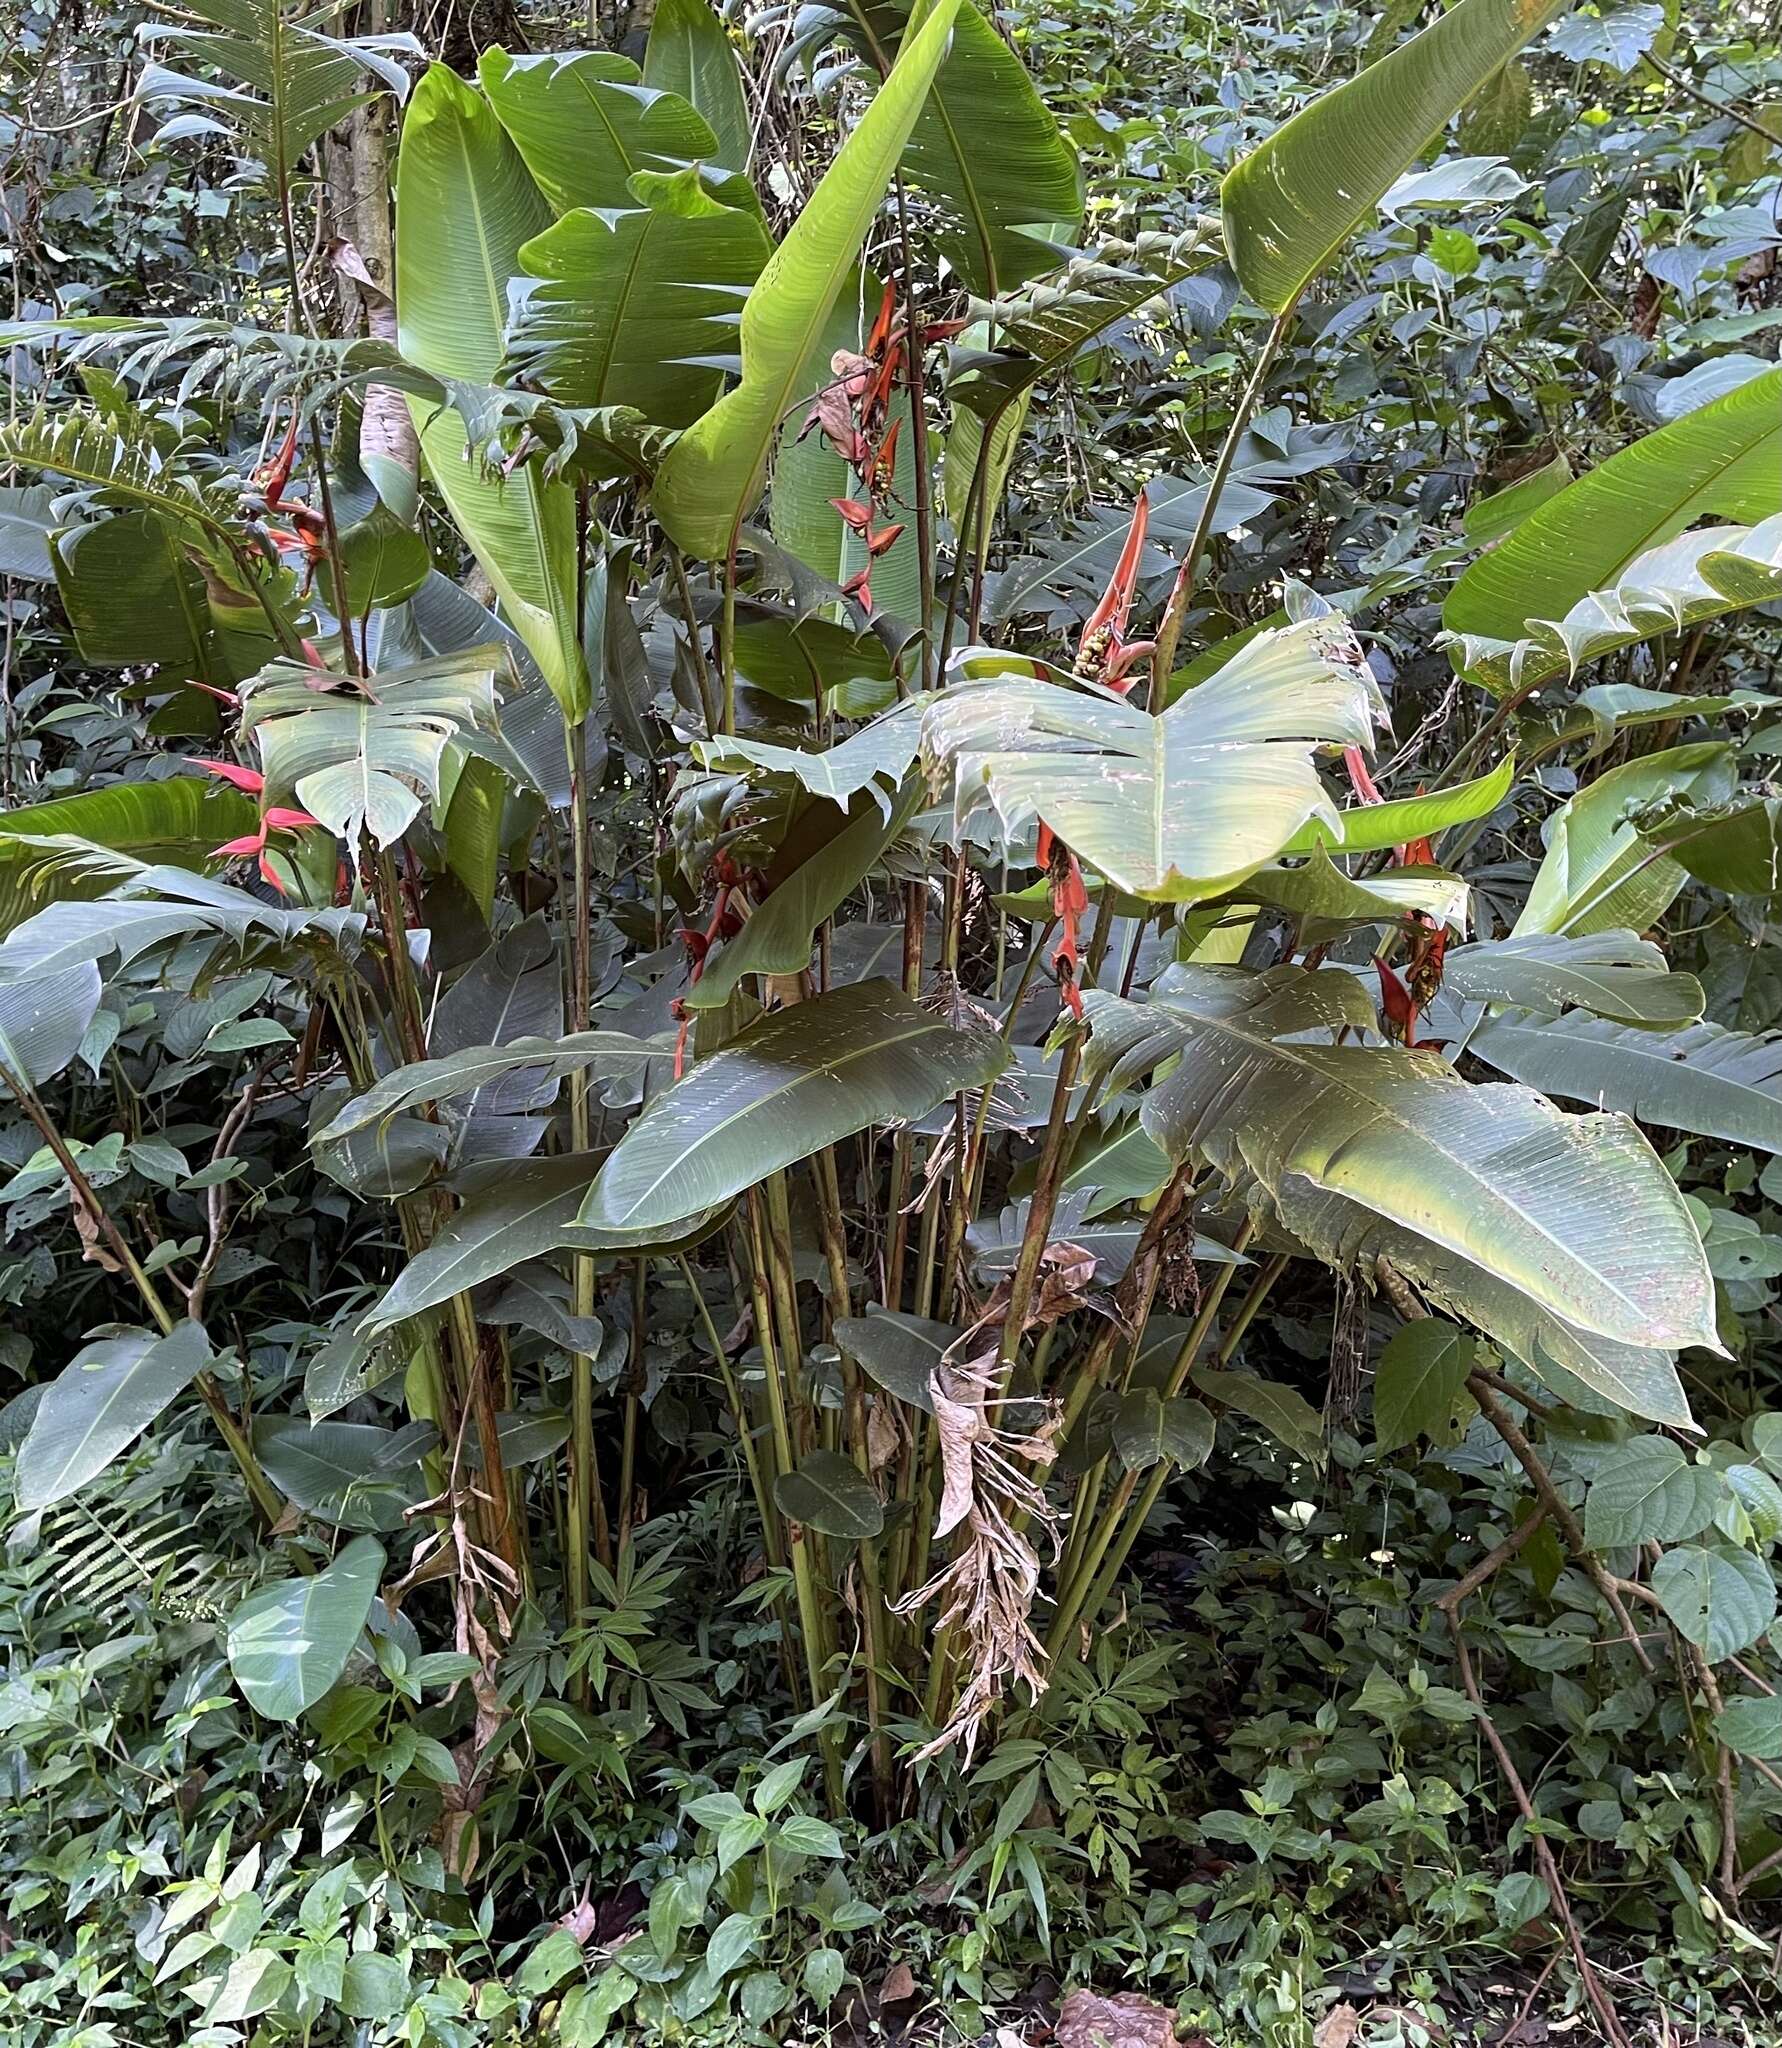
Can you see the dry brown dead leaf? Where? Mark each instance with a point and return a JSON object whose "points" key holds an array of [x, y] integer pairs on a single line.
{"points": [[897, 1985], [1337, 2028], [1126, 2019]]}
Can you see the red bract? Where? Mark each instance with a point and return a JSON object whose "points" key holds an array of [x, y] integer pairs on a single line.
{"points": [[231, 771], [1104, 652], [273, 478], [1398, 1003], [1360, 780], [252, 845], [1070, 901]]}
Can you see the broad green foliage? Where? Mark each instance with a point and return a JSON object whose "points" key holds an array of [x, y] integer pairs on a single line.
{"points": [[814, 1074], [290, 1642], [1292, 204], [465, 207], [1172, 806], [635, 306], [105, 1397], [1601, 564], [989, 195], [708, 484], [890, 1081], [690, 54]]}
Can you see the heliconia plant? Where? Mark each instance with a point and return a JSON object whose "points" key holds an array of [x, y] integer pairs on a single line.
{"points": [[987, 1037]]}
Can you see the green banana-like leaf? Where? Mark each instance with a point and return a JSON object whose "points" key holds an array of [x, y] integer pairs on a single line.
{"points": [[44, 1019], [709, 481], [57, 851], [1700, 575], [1365, 828], [1171, 807], [1365, 1152], [25, 528], [689, 53], [795, 1081], [987, 194], [1581, 566], [1599, 874], [877, 757], [1613, 974], [154, 906], [465, 208], [586, 126], [777, 938], [99, 1404], [1317, 891], [691, 56], [637, 305], [472, 805], [1714, 1082], [132, 595], [526, 1211], [289, 1642], [1293, 202], [1736, 847], [476, 1066]]}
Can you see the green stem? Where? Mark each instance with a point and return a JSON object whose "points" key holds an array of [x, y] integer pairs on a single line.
{"points": [[745, 1428], [1119, 1527], [586, 1517], [266, 1496], [810, 1611], [1170, 631]]}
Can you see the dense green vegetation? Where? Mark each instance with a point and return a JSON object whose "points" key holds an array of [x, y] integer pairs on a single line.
{"points": [[890, 1043]]}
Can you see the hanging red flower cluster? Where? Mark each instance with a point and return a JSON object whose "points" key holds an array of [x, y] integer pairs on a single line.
{"points": [[1404, 997], [307, 531], [725, 922], [279, 818], [1106, 656], [853, 413]]}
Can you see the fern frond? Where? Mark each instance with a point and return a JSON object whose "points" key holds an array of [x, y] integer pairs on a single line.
{"points": [[122, 458]]}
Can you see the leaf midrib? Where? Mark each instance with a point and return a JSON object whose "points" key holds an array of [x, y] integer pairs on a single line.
{"points": [[1293, 1056]]}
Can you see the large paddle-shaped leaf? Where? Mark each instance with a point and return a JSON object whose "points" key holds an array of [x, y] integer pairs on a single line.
{"points": [[586, 126], [524, 1211], [689, 54], [1598, 873], [1171, 807], [989, 192], [710, 479], [792, 1083], [1294, 201], [365, 758], [99, 1404], [1609, 973], [289, 1642], [1602, 564], [474, 1067], [465, 207], [55, 851], [1717, 1083], [637, 304], [1530, 1222]]}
